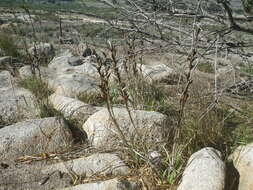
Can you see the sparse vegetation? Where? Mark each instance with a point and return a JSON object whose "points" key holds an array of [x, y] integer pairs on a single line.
{"points": [[42, 92], [8, 45], [199, 117], [206, 67], [90, 98], [247, 69]]}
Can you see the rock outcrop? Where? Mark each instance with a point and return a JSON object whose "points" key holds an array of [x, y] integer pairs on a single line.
{"points": [[34, 137], [16, 104]]}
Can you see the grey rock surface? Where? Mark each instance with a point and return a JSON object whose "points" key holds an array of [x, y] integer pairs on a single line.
{"points": [[70, 80], [34, 137], [72, 108], [16, 104], [160, 73], [28, 176], [6, 80], [61, 65], [204, 170], [112, 184], [72, 85], [98, 164], [149, 127]]}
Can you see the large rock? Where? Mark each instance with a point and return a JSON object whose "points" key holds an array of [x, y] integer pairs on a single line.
{"points": [[99, 164], [73, 85], [71, 80], [16, 104], [60, 63], [204, 170], [112, 184], [28, 176], [66, 64], [160, 73], [72, 108], [149, 127], [242, 160], [33, 137]]}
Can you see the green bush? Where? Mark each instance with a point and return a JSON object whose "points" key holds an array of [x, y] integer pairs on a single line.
{"points": [[248, 70]]}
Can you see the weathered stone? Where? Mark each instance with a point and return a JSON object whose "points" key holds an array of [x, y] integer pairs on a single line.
{"points": [[33, 137], [242, 160], [72, 108], [73, 85], [112, 184], [204, 170], [149, 127], [6, 80], [60, 65], [73, 81], [16, 104], [97, 164], [28, 176], [160, 73]]}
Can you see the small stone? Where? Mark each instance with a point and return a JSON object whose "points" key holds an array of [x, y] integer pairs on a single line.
{"points": [[75, 61]]}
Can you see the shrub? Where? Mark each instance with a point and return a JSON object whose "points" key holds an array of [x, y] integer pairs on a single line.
{"points": [[90, 98], [8, 45]]}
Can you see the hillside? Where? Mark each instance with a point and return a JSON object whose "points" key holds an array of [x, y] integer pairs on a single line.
{"points": [[126, 95]]}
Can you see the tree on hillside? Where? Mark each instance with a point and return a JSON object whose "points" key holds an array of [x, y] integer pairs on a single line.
{"points": [[174, 22], [194, 29]]}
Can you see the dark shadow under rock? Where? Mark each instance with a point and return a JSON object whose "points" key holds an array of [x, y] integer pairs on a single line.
{"points": [[232, 177]]}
